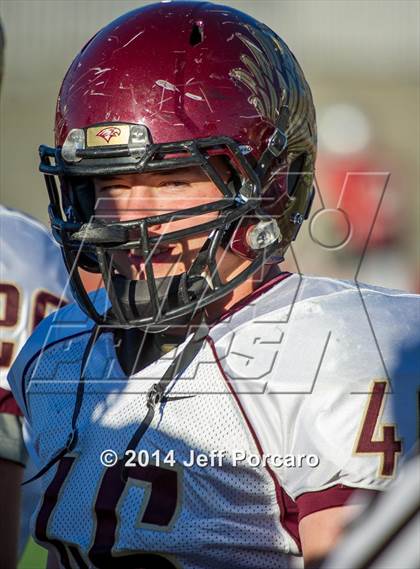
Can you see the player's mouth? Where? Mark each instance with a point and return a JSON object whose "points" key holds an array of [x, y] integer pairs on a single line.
{"points": [[159, 255]]}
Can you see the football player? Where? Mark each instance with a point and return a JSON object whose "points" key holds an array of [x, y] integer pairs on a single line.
{"points": [[203, 409], [33, 279], [28, 293]]}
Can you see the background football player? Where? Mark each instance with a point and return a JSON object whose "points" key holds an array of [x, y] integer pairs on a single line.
{"points": [[33, 280], [28, 293], [185, 150]]}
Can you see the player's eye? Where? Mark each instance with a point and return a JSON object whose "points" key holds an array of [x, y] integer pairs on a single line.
{"points": [[172, 184], [112, 191]]}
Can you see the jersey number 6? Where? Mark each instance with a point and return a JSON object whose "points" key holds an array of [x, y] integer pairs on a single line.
{"points": [[159, 512]]}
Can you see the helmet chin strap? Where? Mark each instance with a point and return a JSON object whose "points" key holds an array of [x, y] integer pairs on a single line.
{"points": [[172, 292]]}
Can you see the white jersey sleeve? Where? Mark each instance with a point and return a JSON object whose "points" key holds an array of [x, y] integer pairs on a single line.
{"points": [[314, 364]]}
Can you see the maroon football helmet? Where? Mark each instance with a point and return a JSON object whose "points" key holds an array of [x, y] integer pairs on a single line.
{"points": [[167, 86]]}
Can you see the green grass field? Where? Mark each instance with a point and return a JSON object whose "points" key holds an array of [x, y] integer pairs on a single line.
{"points": [[34, 557]]}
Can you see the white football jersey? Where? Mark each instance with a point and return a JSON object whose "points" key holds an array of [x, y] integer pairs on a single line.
{"points": [[33, 279], [286, 409]]}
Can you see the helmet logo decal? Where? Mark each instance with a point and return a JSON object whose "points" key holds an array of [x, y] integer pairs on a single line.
{"points": [[109, 132]]}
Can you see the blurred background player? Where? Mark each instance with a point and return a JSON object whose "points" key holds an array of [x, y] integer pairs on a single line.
{"points": [[28, 292], [359, 180], [33, 279]]}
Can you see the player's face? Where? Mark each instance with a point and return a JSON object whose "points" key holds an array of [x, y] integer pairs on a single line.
{"points": [[135, 196]]}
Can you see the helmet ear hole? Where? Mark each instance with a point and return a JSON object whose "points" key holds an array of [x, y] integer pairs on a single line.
{"points": [[294, 174]]}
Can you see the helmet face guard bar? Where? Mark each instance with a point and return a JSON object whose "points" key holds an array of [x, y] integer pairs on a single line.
{"points": [[129, 159], [103, 252], [92, 245]]}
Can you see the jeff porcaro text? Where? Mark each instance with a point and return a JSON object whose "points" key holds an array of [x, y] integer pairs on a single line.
{"points": [[216, 458]]}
